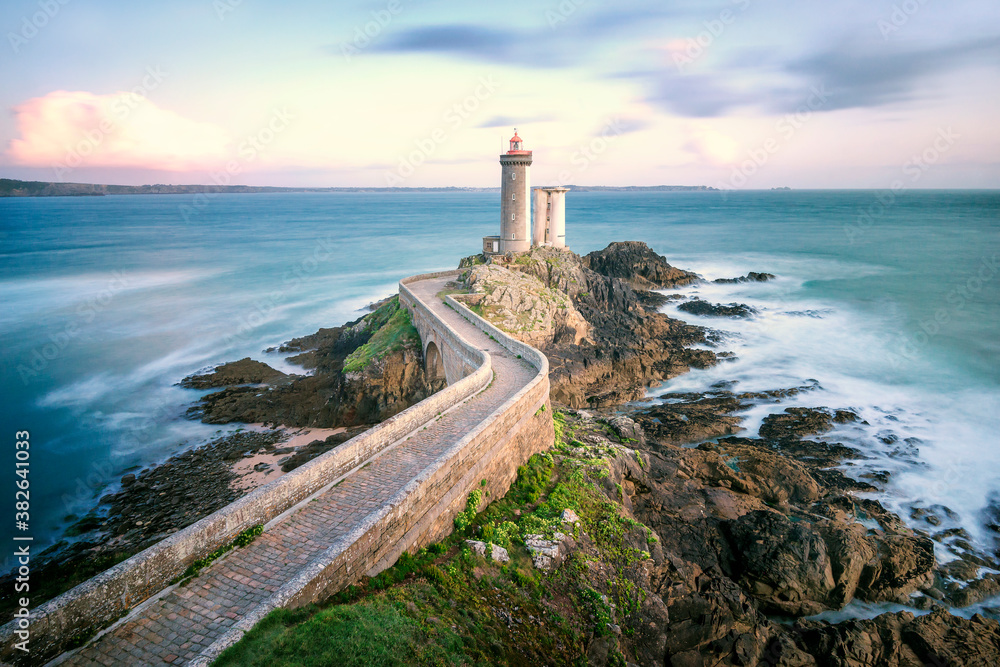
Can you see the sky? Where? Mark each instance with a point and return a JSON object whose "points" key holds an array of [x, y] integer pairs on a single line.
{"points": [[734, 94]]}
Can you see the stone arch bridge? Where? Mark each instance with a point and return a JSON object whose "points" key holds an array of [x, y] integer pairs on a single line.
{"points": [[348, 513]]}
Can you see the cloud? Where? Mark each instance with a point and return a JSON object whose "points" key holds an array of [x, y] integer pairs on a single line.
{"points": [[697, 95], [629, 125], [852, 74], [514, 121], [564, 35], [866, 77], [522, 47], [66, 129]]}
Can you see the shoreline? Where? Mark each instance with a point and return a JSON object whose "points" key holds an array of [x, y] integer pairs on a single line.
{"points": [[255, 453]]}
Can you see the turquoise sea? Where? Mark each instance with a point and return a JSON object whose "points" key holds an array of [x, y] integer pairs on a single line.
{"points": [[892, 306]]}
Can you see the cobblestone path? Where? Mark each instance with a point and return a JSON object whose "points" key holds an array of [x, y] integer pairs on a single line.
{"points": [[177, 627]]}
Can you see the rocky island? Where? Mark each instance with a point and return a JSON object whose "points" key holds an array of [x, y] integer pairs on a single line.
{"points": [[656, 532]]}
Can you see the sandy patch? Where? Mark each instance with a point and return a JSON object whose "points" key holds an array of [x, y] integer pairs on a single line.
{"points": [[248, 479]]}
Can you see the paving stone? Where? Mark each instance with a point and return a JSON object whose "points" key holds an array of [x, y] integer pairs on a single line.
{"points": [[212, 603]]}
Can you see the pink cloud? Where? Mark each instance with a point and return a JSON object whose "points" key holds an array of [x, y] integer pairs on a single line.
{"points": [[69, 129]]}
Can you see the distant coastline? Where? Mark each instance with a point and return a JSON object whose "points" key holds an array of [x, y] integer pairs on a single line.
{"points": [[14, 188]]}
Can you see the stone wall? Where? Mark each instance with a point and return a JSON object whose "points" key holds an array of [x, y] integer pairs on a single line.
{"points": [[108, 596], [458, 360], [419, 514], [423, 511]]}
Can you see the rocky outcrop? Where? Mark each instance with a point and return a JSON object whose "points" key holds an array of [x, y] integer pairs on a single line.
{"points": [[628, 345], [686, 418], [522, 306], [784, 564], [637, 264], [744, 531], [797, 423], [752, 277], [244, 371], [363, 372], [900, 640], [706, 309], [683, 418]]}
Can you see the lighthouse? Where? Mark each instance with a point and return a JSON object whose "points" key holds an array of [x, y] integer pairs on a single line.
{"points": [[549, 229], [515, 197]]}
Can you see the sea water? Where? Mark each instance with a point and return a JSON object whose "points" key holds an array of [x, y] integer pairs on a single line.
{"points": [[891, 305]]}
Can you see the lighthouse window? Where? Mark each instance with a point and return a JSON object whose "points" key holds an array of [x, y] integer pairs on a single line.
{"points": [[513, 216], [513, 177], [514, 196]]}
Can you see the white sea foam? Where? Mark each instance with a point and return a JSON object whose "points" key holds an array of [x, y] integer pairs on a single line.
{"points": [[926, 425]]}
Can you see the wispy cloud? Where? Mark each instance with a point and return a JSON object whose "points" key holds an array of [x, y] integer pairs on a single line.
{"points": [[510, 47], [852, 74], [511, 121], [860, 75], [576, 39]]}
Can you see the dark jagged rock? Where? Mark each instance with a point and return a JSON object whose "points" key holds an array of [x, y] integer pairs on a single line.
{"points": [[637, 264], [901, 639], [752, 277], [244, 371], [688, 418], [797, 423], [783, 564], [706, 309], [745, 530]]}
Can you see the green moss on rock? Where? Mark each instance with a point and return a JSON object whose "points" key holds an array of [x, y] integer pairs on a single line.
{"points": [[392, 330]]}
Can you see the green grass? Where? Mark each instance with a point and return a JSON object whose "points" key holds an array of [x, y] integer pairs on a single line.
{"points": [[372, 633], [441, 606], [393, 329]]}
